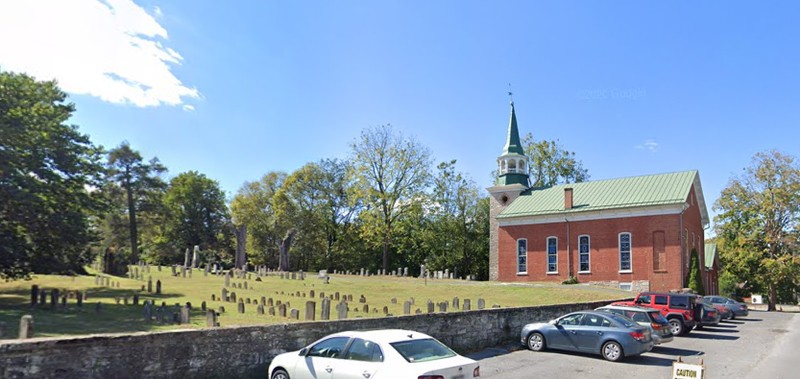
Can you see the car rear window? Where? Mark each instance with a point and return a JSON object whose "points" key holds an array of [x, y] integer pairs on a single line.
{"points": [[624, 321], [657, 317], [422, 350]]}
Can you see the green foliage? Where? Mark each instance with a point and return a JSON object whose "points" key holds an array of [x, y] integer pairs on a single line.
{"points": [[695, 275], [728, 285], [551, 164], [197, 214], [757, 226], [392, 172], [571, 280], [47, 171], [135, 188]]}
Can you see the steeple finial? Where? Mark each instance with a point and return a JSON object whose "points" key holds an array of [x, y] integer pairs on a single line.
{"points": [[510, 94]]}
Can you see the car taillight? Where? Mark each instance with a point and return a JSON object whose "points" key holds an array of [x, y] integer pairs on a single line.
{"points": [[476, 372], [639, 336], [430, 377], [656, 326], [712, 313]]}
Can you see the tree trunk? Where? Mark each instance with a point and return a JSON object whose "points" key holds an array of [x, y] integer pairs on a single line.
{"points": [[283, 247], [241, 244], [385, 254], [773, 297], [134, 258]]}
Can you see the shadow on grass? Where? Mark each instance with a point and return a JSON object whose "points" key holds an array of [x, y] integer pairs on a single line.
{"points": [[114, 315]]}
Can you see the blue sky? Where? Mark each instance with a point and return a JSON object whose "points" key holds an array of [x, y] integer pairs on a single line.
{"points": [[237, 89]]}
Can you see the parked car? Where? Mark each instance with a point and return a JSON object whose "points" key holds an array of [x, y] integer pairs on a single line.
{"points": [[709, 315], [374, 354], [724, 312], [738, 309], [610, 335], [680, 309], [652, 318]]}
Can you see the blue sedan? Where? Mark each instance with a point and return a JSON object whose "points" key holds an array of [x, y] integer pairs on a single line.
{"points": [[610, 335]]}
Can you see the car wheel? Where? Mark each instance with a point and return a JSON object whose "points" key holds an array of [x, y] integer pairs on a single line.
{"points": [[279, 374], [733, 316], [612, 351], [676, 326], [536, 341]]}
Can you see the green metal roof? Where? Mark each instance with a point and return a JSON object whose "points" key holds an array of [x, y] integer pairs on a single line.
{"points": [[711, 253], [637, 191], [513, 145]]}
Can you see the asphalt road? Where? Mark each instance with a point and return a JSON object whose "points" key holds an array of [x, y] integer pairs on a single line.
{"points": [[763, 345]]}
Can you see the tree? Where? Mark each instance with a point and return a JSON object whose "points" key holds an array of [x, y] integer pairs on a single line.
{"points": [[48, 171], [695, 277], [140, 181], [551, 164], [252, 206], [197, 212], [757, 225], [392, 173]]}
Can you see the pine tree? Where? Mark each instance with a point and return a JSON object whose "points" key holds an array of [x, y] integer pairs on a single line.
{"points": [[695, 277]]}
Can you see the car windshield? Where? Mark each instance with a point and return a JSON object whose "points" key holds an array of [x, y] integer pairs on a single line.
{"points": [[423, 350]]}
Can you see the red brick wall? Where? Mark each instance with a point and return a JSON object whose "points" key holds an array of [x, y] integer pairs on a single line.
{"points": [[604, 249]]}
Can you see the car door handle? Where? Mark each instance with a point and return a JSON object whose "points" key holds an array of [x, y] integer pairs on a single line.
{"points": [[573, 332], [328, 369], [599, 333], [366, 374]]}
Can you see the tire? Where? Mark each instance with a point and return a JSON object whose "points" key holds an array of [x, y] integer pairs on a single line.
{"points": [[279, 374], [612, 351], [677, 327], [733, 316], [536, 341]]}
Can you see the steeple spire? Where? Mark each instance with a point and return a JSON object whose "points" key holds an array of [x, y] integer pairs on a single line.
{"points": [[512, 163], [513, 145]]}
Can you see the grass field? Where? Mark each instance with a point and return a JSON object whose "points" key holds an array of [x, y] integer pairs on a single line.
{"points": [[378, 291]]}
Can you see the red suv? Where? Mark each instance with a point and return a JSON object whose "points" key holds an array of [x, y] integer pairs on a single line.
{"points": [[680, 309]]}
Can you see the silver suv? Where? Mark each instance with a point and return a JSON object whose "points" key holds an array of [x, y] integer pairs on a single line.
{"points": [[659, 326]]}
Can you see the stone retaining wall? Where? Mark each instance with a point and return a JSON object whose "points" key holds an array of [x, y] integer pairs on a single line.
{"points": [[236, 352]]}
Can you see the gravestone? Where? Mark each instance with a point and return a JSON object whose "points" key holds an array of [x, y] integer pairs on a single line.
{"points": [[385, 310], [221, 309], [245, 285], [455, 303], [158, 287], [394, 300], [294, 314], [430, 306], [186, 258], [241, 306], [174, 271], [53, 298], [148, 311], [79, 299], [311, 294], [135, 299], [336, 296], [260, 309], [341, 310], [271, 311], [213, 297], [227, 279], [233, 297], [281, 310], [269, 302], [211, 318], [366, 308], [481, 304], [325, 311], [362, 299], [203, 306], [150, 284], [63, 301], [34, 295], [247, 301], [311, 310], [26, 327], [407, 308], [224, 295], [184, 317], [467, 304], [263, 300], [183, 271], [196, 257], [443, 306]]}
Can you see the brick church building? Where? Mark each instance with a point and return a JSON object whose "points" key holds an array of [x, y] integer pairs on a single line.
{"points": [[634, 233]]}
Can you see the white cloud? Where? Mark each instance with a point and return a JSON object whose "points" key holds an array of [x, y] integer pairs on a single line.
{"points": [[109, 49], [188, 108], [650, 145]]}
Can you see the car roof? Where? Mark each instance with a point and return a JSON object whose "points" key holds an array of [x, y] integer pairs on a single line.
{"points": [[384, 335], [634, 308]]}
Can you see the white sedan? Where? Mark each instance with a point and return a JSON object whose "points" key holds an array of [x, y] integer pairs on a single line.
{"points": [[374, 354]]}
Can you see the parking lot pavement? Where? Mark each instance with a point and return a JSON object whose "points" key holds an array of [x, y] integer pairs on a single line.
{"points": [[762, 345]]}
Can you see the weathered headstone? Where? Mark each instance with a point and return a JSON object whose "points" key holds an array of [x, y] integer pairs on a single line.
{"points": [[407, 308], [443, 306], [150, 284], [271, 311], [233, 297], [455, 303], [430, 306], [282, 310], [186, 258], [311, 310], [54, 298], [183, 271], [366, 308], [26, 327], [294, 314], [174, 271], [481, 303], [228, 279], [148, 311], [158, 287], [211, 318], [260, 309], [184, 317], [241, 306], [196, 257], [385, 310], [325, 311], [135, 299], [362, 299], [467, 304], [270, 302], [224, 295], [79, 299], [34, 295], [341, 310]]}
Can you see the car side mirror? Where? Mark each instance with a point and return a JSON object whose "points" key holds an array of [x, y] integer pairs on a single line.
{"points": [[303, 351]]}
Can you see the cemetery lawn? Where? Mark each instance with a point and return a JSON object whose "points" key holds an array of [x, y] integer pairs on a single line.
{"points": [[116, 317]]}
